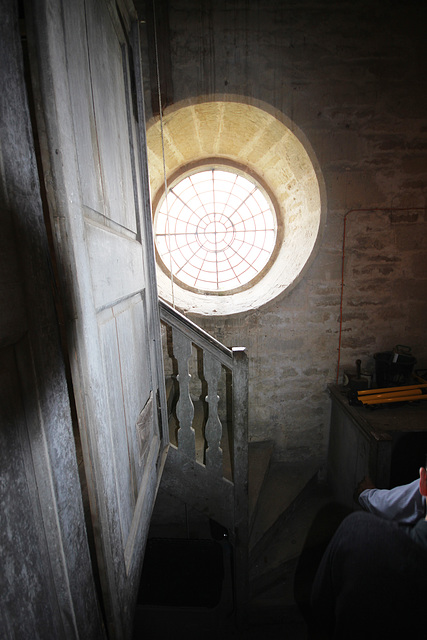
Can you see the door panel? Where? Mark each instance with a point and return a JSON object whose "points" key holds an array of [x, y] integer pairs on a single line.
{"points": [[133, 341], [128, 375], [115, 425], [107, 56], [116, 264], [104, 251]]}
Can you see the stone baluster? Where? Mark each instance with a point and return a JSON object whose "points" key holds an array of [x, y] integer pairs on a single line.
{"points": [[213, 430], [185, 407]]}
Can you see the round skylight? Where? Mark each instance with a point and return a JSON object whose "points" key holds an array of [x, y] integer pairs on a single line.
{"points": [[215, 231], [203, 258]]}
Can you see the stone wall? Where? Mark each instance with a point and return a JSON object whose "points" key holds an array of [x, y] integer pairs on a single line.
{"points": [[352, 76]]}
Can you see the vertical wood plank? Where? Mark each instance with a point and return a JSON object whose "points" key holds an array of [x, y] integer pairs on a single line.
{"points": [[213, 432], [185, 406]]}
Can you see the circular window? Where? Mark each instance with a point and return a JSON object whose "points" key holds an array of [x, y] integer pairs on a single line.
{"points": [[216, 230], [221, 250]]}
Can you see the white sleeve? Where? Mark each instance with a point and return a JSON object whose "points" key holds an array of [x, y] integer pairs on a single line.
{"points": [[404, 504]]}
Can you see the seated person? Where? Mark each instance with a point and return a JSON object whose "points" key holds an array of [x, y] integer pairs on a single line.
{"points": [[371, 582]]}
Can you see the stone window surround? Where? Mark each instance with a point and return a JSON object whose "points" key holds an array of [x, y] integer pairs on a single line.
{"points": [[266, 144]]}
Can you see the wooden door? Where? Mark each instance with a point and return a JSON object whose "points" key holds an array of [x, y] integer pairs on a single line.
{"points": [[91, 126]]}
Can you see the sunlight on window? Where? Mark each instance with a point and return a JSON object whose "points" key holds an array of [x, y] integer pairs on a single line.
{"points": [[216, 231]]}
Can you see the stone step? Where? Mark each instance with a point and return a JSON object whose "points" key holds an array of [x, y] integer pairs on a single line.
{"points": [[284, 482], [259, 454], [276, 605], [283, 565], [303, 523]]}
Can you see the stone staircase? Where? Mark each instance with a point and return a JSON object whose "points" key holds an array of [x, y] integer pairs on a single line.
{"points": [[288, 527], [291, 515], [267, 521]]}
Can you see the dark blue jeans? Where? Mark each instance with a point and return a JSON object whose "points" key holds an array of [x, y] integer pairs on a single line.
{"points": [[371, 583]]}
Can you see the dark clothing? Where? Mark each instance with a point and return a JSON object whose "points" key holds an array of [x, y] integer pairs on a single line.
{"points": [[419, 533], [371, 582]]}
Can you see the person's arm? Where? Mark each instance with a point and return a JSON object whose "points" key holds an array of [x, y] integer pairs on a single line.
{"points": [[404, 504]]}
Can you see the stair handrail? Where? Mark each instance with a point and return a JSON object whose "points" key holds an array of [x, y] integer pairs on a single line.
{"points": [[202, 338], [236, 360]]}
